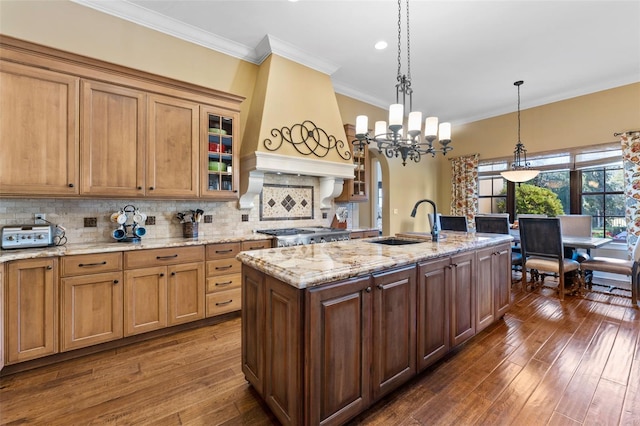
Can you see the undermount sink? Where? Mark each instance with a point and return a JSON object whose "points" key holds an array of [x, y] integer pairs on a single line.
{"points": [[395, 241]]}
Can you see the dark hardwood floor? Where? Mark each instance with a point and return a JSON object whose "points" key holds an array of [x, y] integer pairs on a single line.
{"points": [[547, 362]]}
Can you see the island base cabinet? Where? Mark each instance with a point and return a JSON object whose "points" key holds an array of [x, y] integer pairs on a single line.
{"points": [[253, 327], [493, 289], [394, 331], [433, 311], [463, 297], [339, 351]]}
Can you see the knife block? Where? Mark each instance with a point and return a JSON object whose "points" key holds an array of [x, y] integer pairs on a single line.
{"points": [[337, 224]]}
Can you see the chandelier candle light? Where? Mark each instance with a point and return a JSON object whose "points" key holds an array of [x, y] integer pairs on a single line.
{"points": [[520, 170], [392, 140]]}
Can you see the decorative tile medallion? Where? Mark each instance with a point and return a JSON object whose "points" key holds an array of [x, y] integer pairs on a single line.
{"points": [[281, 202]]}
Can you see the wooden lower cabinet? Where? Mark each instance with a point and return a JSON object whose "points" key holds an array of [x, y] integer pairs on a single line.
{"points": [[434, 312], [157, 296], [463, 297], [90, 299], [31, 309], [324, 354], [493, 285], [91, 310]]}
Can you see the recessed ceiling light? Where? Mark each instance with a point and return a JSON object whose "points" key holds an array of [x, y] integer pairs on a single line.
{"points": [[381, 45]]}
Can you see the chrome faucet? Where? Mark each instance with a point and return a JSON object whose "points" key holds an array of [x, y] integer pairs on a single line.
{"points": [[434, 229]]}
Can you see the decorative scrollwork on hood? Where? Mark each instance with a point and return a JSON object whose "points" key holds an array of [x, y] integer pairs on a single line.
{"points": [[308, 139]]}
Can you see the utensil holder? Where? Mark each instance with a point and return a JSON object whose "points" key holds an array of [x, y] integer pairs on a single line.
{"points": [[190, 230]]}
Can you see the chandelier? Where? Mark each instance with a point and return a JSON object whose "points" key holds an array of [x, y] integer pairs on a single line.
{"points": [[520, 170], [393, 140]]}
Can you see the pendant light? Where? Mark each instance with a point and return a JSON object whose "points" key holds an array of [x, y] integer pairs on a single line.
{"points": [[520, 170]]}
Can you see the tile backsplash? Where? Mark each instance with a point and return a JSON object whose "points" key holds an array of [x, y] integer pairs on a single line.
{"points": [[227, 218]]}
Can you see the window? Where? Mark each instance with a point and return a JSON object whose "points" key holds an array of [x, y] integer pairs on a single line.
{"points": [[588, 180], [602, 197]]}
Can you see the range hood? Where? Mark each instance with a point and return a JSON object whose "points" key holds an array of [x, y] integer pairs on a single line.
{"points": [[294, 127]]}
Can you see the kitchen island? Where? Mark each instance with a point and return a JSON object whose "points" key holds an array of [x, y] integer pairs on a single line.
{"points": [[329, 329]]}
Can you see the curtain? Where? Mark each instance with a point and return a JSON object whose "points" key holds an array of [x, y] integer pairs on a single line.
{"points": [[464, 188], [631, 161]]}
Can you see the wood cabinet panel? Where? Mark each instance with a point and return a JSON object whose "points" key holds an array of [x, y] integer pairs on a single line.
{"points": [[84, 264], [502, 280], [223, 282], [173, 147], [433, 312], [463, 321], [31, 309], [223, 302], [39, 130], [220, 142], [485, 309], [186, 293], [256, 245], [145, 300], [223, 250], [356, 189], [394, 332], [91, 307], [253, 327], [165, 256], [339, 353], [113, 140], [223, 266]]}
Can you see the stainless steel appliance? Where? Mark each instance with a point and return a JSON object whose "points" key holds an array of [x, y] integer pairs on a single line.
{"points": [[27, 236], [287, 237]]}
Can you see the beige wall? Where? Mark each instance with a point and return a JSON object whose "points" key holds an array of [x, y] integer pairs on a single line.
{"points": [[585, 120]]}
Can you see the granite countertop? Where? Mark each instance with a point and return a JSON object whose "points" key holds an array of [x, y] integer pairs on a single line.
{"points": [[310, 265], [103, 247]]}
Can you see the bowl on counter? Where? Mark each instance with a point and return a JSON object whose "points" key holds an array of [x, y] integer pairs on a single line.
{"points": [[217, 166]]}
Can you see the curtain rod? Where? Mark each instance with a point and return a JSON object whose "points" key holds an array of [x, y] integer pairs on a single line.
{"points": [[626, 133]]}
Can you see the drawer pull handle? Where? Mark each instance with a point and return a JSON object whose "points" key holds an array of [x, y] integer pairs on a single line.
{"points": [[222, 268], [83, 265], [173, 256], [255, 248], [224, 303], [223, 251], [224, 283]]}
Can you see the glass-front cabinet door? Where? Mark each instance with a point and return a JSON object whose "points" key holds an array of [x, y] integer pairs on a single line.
{"points": [[220, 141]]}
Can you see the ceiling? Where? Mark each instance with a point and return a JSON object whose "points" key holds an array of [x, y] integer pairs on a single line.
{"points": [[465, 55]]}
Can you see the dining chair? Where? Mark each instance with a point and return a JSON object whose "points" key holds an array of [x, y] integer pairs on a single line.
{"points": [[498, 225], [618, 266], [454, 223], [542, 250]]}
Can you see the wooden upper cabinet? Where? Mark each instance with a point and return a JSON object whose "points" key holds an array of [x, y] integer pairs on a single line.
{"points": [[38, 130], [113, 140], [173, 147], [356, 189], [219, 167]]}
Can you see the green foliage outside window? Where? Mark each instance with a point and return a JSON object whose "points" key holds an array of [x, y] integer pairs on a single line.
{"points": [[532, 199]]}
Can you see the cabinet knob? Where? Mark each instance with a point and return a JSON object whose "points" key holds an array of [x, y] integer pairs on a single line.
{"points": [[49, 267], [70, 185], [139, 188], [151, 188], [115, 281], [368, 289], [380, 287], [161, 274], [173, 274]]}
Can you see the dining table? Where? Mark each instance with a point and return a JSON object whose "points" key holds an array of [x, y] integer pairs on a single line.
{"points": [[587, 243]]}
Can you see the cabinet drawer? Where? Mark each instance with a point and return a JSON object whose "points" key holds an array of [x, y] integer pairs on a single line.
{"points": [[222, 250], [84, 264], [223, 282], [256, 245], [223, 302], [166, 256], [223, 267]]}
